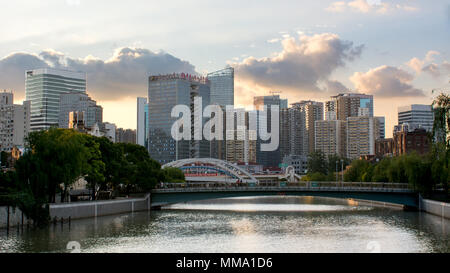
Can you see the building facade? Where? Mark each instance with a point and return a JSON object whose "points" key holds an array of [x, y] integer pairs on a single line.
{"points": [[350, 104], [292, 132], [407, 141], [222, 86], [267, 158], [6, 121], [21, 123], [14, 122], [331, 137], [384, 147], [125, 136], [313, 111], [79, 102], [361, 135], [416, 116], [142, 122], [43, 88], [381, 127], [165, 92]]}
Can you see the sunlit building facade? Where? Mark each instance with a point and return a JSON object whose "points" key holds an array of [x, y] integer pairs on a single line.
{"points": [[43, 88]]}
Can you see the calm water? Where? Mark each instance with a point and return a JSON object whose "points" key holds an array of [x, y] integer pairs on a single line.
{"points": [[268, 224]]}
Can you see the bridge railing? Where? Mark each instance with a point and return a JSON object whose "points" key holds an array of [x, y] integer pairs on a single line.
{"points": [[272, 185]]}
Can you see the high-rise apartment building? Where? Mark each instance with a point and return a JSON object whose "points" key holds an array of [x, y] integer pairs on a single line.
{"points": [[416, 116], [79, 102], [222, 86], [240, 141], [21, 123], [350, 104], [14, 122], [331, 137], [6, 121], [313, 111], [142, 122], [43, 88], [330, 110], [361, 135], [165, 92], [292, 132], [267, 158]]}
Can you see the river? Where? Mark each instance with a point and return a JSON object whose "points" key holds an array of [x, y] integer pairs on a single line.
{"points": [[263, 224]]}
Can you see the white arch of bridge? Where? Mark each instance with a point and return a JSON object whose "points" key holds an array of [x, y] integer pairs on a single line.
{"points": [[237, 171]]}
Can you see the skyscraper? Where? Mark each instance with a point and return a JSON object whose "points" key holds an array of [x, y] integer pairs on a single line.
{"points": [[79, 102], [222, 86], [142, 122], [165, 92], [416, 116], [267, 158], [43, 88]]}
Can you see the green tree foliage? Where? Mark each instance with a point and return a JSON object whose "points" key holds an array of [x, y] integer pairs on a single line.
{"points": [[441, 136], [56, 158], [317, 163], [174, 175], [142, 172], [322, 168]]}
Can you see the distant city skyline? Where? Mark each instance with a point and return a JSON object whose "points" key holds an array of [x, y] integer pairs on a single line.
{"points": [[310, 51]]}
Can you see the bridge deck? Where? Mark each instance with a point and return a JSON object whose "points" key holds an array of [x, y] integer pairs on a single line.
{"points": [[284, 186], [385, 192]]}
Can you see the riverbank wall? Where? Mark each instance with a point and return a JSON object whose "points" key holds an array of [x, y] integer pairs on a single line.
{"points": [[12, 218], [80, 210], [436, 208]]}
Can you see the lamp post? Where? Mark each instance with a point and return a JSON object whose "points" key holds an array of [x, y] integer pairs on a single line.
{"points": [[342, 169]]}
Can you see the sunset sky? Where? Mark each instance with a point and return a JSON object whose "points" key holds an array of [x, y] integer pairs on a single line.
{"points": [[399, 51]]}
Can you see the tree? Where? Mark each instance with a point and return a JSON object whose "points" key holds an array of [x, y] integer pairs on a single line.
{"points": [[317, 163], [94, 167], [356, 171], [441, 137], [173, 175]]}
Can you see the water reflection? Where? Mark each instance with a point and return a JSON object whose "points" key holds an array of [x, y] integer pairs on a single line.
{"points": [[269, 224]]}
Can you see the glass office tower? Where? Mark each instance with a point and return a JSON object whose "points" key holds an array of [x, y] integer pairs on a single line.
{"points": [[165, 92], [43, 88], [222, 86]]}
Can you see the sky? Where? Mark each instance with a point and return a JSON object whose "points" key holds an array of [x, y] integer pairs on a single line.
{"points": [[399, 51]]}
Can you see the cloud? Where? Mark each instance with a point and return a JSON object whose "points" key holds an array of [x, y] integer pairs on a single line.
{"points": [[303, 65], [274, 40], [124, 74], [386, 81], [367, 6], [427, 65]]}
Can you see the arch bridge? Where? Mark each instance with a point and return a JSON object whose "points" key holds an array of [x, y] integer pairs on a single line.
{"points": [[220, 166]]}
